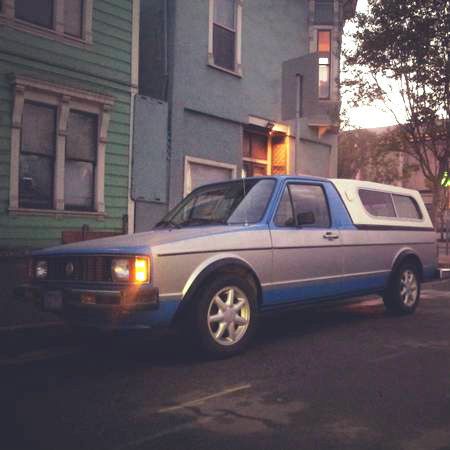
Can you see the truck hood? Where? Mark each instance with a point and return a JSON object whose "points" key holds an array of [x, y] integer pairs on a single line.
{"points": [[139, 243]]}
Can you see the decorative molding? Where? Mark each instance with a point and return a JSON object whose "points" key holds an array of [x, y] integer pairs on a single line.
{"points": [[64, 98], [60, 157], [47, 86], [58, 17], [19, 100], [54, 213], [87, 21]]}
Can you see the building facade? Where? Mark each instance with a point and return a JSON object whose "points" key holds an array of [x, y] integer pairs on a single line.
{"points": [[67, 79], [231, 88]]}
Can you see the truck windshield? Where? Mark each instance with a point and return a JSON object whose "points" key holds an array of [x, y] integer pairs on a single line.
{"points": [[230, 203]]}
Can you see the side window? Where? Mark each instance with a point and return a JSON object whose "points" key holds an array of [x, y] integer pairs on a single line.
{"points": [[303, 205], [285, 215], [377, 203], [406, 207]]}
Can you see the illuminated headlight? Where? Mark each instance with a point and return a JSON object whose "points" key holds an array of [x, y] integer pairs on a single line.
{"points": [[121, 269], [135, 269], [41, 270]]}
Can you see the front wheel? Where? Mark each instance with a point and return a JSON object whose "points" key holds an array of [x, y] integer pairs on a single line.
{"points": [[226, 315], [403, 293]]}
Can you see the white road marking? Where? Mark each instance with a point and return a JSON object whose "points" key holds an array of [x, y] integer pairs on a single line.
{"points": [[175, 429], [204, 399]]}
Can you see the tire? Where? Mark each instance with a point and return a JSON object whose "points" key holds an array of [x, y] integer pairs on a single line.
{"points": [[225, 315], [403, 292]]}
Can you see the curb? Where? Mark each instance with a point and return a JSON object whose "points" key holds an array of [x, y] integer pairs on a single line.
{"points": [[31, 326]]}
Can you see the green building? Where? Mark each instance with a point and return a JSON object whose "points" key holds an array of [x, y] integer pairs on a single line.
{"points": [[67, 82]]}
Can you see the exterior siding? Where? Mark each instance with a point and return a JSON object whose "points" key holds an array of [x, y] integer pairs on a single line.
{"points": [[210, 108], [102, 67]]}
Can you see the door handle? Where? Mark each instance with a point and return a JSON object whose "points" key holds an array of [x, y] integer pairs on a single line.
{"points": [[330, 236]]}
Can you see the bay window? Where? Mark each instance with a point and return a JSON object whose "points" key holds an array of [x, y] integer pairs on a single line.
{"points": [[58, 142]]}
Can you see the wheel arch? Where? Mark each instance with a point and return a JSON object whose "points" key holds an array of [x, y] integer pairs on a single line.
{"points": [[404, 256], [211, 267]]}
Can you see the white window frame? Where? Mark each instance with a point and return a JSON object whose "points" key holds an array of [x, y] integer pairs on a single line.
{"points": [[188, 160], [238, 41], [334, 56], [64, 99], [7, 17]]}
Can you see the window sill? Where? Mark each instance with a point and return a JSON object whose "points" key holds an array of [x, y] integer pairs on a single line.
{"points": [[237, 74], [44, 32], [55, 213]]}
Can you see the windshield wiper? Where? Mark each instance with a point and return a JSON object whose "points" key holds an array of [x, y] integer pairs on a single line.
{"points": [[167, 224]]}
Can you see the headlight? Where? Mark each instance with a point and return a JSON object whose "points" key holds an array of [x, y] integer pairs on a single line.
{"points": [[41, 270], [135, 269], [121, 269]]}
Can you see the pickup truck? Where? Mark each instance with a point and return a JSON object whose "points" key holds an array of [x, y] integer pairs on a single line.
{"points": [[231, 251]]}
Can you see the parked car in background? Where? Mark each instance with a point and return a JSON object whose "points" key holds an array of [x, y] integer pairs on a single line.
{"points": [[232, 251]]}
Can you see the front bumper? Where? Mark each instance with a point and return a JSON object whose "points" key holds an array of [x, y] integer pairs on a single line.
{"points": [[127, 307]]}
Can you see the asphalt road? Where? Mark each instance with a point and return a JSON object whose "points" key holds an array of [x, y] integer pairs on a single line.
{"points": [[351, 378]]}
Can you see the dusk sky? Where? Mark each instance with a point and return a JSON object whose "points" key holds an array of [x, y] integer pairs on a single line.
{"points": [[376, 114]]}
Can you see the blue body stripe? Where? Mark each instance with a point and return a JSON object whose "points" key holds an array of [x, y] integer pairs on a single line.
{"points": [[317, 291]]}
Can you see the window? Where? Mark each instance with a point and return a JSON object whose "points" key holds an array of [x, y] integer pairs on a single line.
{"points": [[324, 53], [37, 12], [37, 156], [71, 20], [58, 142], [198, 171], [235, 202], [406, 207], [377, 203], [225, 34], [264, 153], [73, 13], [255, 154], [81, 155], [324, 12], [303, 205]]}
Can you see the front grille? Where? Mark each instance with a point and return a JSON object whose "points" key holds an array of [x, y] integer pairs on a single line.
{"points": [[85, 268]]}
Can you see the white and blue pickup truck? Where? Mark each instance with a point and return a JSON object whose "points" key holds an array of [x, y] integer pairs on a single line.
{"points": [[232, 251]]}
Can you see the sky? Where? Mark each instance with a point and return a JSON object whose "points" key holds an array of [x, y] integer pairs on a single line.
{"points": [[368, 116]]}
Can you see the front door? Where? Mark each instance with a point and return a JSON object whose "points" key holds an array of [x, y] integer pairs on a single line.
{"points": [[307, 257]]}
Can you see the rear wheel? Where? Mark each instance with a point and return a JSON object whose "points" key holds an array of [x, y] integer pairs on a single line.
{"points": [[226, 315], [403, 293]]}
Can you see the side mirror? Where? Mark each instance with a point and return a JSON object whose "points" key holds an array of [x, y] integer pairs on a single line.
{"points": [[306, 218]]}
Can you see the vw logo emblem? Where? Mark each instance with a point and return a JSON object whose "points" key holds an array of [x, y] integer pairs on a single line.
{"points": [[69, 269]]}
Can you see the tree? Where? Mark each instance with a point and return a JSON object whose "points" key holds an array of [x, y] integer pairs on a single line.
{"points": [[402, 49], [373, 155]]}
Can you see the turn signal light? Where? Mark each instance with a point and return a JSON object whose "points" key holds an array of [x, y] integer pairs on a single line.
{"points": [[141, 269]]}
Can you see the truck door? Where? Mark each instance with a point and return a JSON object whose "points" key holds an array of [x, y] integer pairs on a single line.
{"points": [[307, 259]]}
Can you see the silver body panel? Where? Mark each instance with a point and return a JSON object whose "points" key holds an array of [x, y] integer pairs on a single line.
{"points": [[290, 264]]}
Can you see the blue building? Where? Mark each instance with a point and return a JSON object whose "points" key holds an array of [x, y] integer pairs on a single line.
{"points": [[231, 88]]}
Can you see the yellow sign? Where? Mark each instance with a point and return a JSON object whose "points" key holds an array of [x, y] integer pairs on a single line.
{"points": [[445, 182]]}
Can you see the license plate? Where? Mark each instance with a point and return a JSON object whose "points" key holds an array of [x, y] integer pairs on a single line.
{"points": [[53, 301]]}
